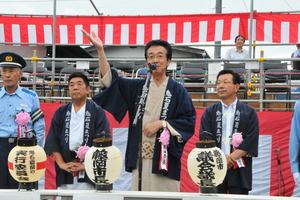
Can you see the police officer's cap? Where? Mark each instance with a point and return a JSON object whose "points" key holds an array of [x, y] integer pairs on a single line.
{"points": [[9, 59]]}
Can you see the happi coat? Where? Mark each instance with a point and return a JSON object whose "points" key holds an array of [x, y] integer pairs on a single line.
{"points": [[177, 109], [58, 136], [245, 122]]}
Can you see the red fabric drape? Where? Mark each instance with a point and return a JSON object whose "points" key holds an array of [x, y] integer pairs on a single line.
{"points": [[268, 27], [278, 127]]}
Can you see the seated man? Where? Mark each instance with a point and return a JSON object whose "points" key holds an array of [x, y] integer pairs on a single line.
{"points": [[73, 125]]}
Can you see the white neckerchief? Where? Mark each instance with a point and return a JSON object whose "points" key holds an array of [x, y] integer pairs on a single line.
{"points": [[227, 125], [76, 128]]}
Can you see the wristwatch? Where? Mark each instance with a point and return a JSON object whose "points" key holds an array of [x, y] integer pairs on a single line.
{"points": [[164, 124]]}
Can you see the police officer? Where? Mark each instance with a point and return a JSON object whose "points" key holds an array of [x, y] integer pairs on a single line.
{"points": [[13, 100]]}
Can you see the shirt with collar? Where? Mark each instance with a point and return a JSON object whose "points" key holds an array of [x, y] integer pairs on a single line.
{"points": [[76, 128], [12, 104], [235, 54], [227, 125]]}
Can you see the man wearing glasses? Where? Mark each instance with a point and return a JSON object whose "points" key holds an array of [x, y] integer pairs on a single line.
{"points": [[168, 107], [226, 118]]}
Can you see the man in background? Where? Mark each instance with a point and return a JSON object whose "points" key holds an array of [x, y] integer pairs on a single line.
{"points": [[238, 52], [296, 54]]}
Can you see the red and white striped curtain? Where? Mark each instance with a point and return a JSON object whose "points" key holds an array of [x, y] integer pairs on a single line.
{"points": [[138, 30]]}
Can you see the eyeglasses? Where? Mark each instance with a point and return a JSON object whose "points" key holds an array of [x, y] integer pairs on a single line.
{"points": [[224, 82], [158, 57]]}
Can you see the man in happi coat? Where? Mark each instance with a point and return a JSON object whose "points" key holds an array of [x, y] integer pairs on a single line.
{"points": [[168, 107], [74, 125], [226, 118]]}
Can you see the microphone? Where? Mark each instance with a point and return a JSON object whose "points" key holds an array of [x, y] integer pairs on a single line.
{"points": [[278, 155], [152, 66]]}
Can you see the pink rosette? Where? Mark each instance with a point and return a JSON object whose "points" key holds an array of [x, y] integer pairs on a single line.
{"points": [[165, 137], [81, 151], [22, 118], [236, 139]]}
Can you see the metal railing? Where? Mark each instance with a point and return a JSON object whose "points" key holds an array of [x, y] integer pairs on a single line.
{"points": [[259, 62]]}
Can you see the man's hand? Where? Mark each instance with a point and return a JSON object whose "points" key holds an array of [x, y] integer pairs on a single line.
{"points": [[72, 167], [230, 161], [151, 128], [94, 39], [67, 166], [296, 176], [77, 167]]}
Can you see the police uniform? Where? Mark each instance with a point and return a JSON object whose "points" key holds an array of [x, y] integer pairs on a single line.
{"points": [[11, 104]]}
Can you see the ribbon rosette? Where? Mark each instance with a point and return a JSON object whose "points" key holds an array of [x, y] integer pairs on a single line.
{"points": [[164, 139], [22, 118], [236, 140], [81, 151]]}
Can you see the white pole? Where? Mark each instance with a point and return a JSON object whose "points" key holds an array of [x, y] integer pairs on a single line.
{"points": [[54, 38], [250, 29], [217, 50]]}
